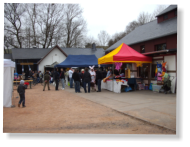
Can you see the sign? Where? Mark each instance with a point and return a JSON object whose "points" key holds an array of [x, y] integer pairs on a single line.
{"points": [[26, 63]]}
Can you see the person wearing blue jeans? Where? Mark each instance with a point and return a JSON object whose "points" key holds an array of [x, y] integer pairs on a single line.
{"points": [[76, 78], [70, 77], [86, 79], [77, 86], [88, 87]]}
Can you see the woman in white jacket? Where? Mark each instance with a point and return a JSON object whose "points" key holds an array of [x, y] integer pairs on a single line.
{"points": [[66, 76]]}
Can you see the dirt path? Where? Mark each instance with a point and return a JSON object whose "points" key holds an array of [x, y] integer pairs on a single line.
{"points": [[63, 112]]}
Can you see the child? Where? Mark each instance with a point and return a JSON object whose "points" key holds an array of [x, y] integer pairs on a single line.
{"points": [[21, 91]]}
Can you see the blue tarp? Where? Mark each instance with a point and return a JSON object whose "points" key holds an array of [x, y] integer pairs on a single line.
{"points": [[79, 61]]}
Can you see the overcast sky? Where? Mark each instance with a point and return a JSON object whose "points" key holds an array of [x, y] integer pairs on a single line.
{"points": [[112, 17]]}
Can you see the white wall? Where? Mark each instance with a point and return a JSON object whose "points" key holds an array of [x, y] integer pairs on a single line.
{"points": [[171, 65], [54, 56]]}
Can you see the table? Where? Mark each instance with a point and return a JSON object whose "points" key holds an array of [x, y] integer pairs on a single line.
{"points": [[116, 87], [30, 81]]}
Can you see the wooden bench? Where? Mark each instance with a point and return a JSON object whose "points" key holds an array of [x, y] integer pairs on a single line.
{"points": [[30, 81]]}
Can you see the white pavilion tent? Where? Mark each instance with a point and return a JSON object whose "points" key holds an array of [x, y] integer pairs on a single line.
{"points": [[9, 67]]}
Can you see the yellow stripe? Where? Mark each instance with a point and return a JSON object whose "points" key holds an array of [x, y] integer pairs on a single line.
{"points": [[109, 56], [111, 62]]}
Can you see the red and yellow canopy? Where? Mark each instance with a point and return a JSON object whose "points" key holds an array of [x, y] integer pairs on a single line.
{"points": [[124, 54]]}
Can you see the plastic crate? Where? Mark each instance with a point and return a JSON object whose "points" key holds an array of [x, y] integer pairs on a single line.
{"points": [[156, 87], [141, 87]]}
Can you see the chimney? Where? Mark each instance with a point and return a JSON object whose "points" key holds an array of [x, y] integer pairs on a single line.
{"points": [[93, 46]]}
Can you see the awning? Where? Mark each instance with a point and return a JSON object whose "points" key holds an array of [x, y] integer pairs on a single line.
{"points": [[80, 61], [124, 54], [52, 65], [161, 51]]}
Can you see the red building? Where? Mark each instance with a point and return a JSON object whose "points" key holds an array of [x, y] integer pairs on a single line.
{"points": [[157, 39]]}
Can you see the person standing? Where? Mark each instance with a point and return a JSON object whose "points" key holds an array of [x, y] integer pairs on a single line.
{"points": [[38, 76], [76, 78], [70, 77], [93, 76], [21, 90], [109, 72], [86, 79], [46, 80], [66, 76], [15, 75], [81, 77], [99, 79], [56, 79], [62, 77]]}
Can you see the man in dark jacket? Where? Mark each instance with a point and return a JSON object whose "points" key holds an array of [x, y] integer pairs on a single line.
{"points": [[86, 79], [21, 90], [62, 77], [76, 78], [99, 79], [56, 76], [46, 80]]}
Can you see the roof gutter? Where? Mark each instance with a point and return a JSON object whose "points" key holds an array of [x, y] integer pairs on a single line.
{"points": [[163, 51]]}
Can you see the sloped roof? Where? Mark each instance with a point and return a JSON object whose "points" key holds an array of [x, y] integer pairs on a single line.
{"points": [[8, 56], [99, 52], [29, 53], [148, 31], [169, 8], [40, 53]]}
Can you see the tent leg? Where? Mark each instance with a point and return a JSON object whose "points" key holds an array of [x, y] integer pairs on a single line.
{"points": [[112, 75]]}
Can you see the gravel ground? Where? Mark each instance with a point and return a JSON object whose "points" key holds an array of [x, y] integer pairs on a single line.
{"points": [[64, 112]]}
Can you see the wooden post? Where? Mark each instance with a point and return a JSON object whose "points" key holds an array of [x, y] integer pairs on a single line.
{"points": [[149, 73]]}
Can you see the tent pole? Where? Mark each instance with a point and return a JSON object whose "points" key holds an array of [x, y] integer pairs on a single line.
{"points": [[13, 100], [112, 75]]}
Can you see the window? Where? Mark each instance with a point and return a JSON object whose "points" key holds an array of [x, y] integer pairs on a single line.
{"points": [[142, 50], [175, 12], [160, 47], [165, 16]]}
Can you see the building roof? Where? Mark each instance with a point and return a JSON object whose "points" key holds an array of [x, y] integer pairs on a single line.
{"points": [[40, 53], [8, 56], [169, 8], [99, 52], [29, 53], [148, 31]]}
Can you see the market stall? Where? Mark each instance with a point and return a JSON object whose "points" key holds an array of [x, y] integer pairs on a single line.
{"points": [[122, 54]]}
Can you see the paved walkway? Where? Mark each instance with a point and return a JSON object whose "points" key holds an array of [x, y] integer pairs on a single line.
{"points": [[156, 108]]}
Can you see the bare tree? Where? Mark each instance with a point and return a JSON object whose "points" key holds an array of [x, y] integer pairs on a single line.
{"points": [[131, 26], [89, 40], [13, 13], [49, 21], [103, 37], [32, 13], [144, 18], [75, 25], [158, 10]]}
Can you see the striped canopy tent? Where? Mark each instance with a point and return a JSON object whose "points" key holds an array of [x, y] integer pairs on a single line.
{"points": [[124, 54]]}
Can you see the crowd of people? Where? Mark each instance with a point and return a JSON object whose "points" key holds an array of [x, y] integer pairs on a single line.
{"points": [[88, 77]]}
